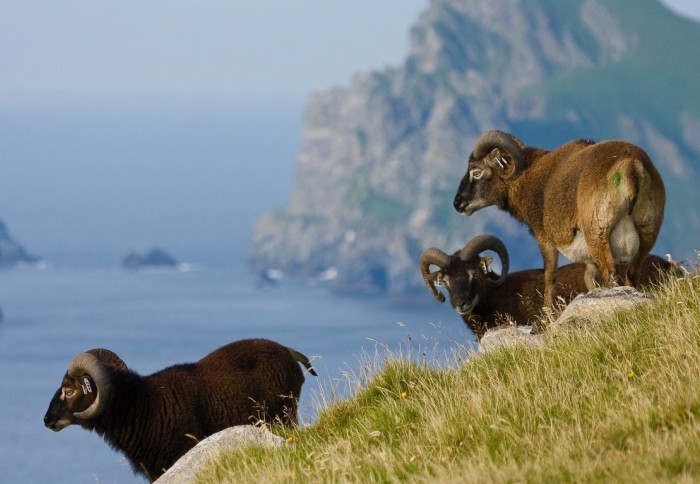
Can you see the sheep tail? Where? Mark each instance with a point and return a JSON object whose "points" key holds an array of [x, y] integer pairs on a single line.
{"points": [[631, 178], [303, 360]]}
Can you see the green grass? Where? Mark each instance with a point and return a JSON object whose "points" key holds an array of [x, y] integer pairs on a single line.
{"points": [[618, 401]]}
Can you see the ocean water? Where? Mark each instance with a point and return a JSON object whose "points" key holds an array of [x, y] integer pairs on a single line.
{"points": [[155, 319]]}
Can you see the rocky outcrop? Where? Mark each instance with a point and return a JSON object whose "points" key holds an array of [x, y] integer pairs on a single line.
{"points": [[585, 310], [380, 159], [508, 336], [588, 308], [185, 470]]}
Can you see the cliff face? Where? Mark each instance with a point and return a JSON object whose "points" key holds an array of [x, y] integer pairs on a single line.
{"points": [[380, 160]]}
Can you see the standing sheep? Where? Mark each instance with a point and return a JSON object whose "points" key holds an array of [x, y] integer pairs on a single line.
{"points": [[156, 419], [597, 203]]}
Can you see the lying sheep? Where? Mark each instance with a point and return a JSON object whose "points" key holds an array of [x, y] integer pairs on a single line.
{"points": [[156, 419], [597, 203], [485, 299]]}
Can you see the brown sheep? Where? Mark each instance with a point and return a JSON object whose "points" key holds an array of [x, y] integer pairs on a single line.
{"points": [[485, 299], [597, 203], [154, 420]]}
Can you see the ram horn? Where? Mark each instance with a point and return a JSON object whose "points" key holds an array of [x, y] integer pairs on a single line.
{"points": [[436, 257], [108, 357], [481, 243], [504, 142], [88, 364]]}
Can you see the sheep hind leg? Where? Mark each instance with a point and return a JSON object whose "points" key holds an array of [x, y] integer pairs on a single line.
{"points": [[609, 277], [624, 274], [591, 277], [550, 256], [606, 267]]}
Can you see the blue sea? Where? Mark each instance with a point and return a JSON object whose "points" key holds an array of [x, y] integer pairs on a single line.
{"points": [[80, 187]]}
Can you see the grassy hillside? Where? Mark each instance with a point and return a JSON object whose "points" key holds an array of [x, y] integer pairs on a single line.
{"points": [[617, 402]]}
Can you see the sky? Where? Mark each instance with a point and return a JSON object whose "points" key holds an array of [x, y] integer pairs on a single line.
{"points": [[218, 50], [85, 162], [196, 51]]}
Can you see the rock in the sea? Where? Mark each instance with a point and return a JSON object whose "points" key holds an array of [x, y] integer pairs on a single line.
{"points": [[155, 258], [11, 252], [189, 465]]}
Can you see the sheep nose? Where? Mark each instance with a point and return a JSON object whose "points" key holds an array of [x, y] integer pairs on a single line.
{"points": [[459, 203]]}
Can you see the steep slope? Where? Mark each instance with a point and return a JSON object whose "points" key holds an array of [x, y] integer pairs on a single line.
{"points": [[380, 160]]}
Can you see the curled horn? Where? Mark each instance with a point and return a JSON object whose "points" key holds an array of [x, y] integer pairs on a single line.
{"points": [[481, 243], [504, 142], [88, 364], [108, 357], [438, 258]]}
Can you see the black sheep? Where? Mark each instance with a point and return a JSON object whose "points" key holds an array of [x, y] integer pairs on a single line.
{"points": [[485, 299], [156, 419]]}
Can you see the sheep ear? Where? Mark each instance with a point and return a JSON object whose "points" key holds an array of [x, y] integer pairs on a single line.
{"points": [[500, 162], [485, 264], [437, 278]]}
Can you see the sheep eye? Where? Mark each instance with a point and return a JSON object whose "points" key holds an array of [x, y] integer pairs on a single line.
{"points": [[475, 174], [68, 393]]}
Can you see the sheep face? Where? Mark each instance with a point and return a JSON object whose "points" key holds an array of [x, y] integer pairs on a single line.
{"points": [[464, 281], [75, 395], [466, 275], [84, 391], [483, 183], [491, 166]]}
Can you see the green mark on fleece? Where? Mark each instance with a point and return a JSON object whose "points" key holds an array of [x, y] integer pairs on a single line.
{"points": [[616, 179]]}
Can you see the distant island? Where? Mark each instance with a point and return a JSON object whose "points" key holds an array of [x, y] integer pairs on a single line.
{"points": [[13, 253], [155, 258]]}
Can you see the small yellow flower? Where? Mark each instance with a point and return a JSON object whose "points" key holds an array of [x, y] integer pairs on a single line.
{"points": [[290, 439], [404, 394], [630, 375]]}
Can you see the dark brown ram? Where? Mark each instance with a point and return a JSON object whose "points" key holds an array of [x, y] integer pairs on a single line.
{"points": [[156, 419], [597, 203], [485, 299]]}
